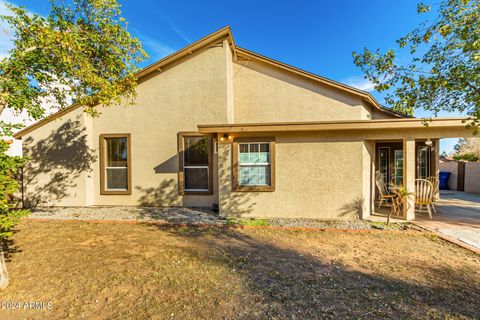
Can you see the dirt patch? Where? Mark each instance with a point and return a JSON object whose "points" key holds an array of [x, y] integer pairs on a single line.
{"points": [[105, 271]]}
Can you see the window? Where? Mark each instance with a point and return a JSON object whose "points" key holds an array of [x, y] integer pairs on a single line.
{"points": [[254, 167], [424, 162], [115, 171], [195, 175], [384, 164], [398, 161]]}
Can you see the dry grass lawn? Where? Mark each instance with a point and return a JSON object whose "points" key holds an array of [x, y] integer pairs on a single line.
{"points": [[125, 271]]}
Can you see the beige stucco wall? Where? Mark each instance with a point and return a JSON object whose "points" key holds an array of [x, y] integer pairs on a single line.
{"points": [[190, 92], [316, 177], [187, 93], [472, 177], [263, 93], [61, 161], [451, 167]]}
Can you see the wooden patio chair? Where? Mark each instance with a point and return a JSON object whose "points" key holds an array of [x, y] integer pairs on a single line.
{"points": [[435, 184], [423, 195], [385, 194]]}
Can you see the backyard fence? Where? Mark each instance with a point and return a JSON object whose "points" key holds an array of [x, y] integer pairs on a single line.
{"points": [[464, 176]]}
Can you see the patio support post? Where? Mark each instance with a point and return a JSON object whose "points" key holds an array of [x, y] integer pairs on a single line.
{"points": [[409, 176], [436, 165]]}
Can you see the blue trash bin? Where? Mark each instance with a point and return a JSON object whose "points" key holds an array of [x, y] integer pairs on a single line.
{"points": [[444, 180]]}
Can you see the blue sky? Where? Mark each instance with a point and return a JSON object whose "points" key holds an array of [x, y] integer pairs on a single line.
{"points": [[318, 36]]}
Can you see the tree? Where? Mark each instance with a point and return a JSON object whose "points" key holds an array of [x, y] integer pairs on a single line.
{"points": [[444, 68], [467, 149], [80, 52]]}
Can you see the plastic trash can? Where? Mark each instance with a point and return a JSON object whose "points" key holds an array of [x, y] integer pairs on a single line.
{"points": [[444, 180]]}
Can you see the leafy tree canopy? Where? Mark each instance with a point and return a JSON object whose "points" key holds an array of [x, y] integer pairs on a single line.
{"points": [[467, 149], [81, 51], [444, 68]]}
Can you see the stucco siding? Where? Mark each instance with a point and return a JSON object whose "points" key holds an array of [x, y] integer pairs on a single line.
{"points": [[177, 99], [60, 161], [472, 177], [65, 169], [263, 93], [316, 177]]}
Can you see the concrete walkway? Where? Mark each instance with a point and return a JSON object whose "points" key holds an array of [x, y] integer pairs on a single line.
{"points": [[458, 217]]}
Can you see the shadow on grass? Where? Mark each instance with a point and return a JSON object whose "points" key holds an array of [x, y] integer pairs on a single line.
{"points": [[284, 283], [9, 247]]}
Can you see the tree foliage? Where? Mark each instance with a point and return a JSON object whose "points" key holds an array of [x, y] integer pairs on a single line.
{"points": [[444, 68], [9, 185], [467, 149], [80, 51]]}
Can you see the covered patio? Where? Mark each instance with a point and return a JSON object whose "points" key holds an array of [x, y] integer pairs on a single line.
{"points": [[339, 187], [410, 154]]}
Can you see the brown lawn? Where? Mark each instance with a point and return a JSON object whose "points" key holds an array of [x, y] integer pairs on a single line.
{"points": [[111, 271]]}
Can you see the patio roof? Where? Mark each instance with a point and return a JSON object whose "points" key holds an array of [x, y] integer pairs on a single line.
{"points": [[377, 124]]}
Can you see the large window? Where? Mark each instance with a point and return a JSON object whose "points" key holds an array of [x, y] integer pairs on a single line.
{"points": [[115, 176], [254, 169], [195, 164]]}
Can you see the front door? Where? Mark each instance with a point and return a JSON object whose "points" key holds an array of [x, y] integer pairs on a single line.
{"points": [[389, 162]]}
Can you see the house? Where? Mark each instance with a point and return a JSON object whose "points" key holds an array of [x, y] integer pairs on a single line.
{"points": [[218, 125]]}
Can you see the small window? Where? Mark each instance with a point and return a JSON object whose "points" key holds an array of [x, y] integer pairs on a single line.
{"points": [[115, 164], [254, 165], [195, 161]]}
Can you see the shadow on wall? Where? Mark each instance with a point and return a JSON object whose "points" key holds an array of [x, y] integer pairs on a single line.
{"points": [[281, 280], [162, 196], [353, 209], [232, 204], [55, 164]]}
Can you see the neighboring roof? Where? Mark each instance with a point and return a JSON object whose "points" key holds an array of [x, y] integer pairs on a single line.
{"points": [[225, 33], [445, 159], [403, 123]]}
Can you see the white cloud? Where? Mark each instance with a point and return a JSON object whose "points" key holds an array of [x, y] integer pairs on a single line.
{"points": [[359, 83]]}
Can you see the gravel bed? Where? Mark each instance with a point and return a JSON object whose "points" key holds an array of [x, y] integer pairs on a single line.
{"points": [[186, 215], [319, 223], [167, 215]]}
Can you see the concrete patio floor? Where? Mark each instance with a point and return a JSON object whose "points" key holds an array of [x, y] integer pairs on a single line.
{"points": [[458, 217]]}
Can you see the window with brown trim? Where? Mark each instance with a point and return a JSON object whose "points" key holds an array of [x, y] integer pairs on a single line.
{"points": [[115, 164], [195, 163], [254, 164]]}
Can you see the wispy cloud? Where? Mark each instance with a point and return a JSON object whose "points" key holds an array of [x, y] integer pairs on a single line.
{"points": [[168, 22], [359, 83], [176, 29], [154, 48]]}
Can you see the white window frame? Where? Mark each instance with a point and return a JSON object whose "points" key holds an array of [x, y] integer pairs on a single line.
{"points": [[255, 164]]}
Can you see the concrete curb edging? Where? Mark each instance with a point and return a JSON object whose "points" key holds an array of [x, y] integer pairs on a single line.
{"points": [[223, 226], [448, 238]]}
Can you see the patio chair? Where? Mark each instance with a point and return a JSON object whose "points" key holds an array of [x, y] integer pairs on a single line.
{"points": [[385, 194], [423, 195], [435, 184]]}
